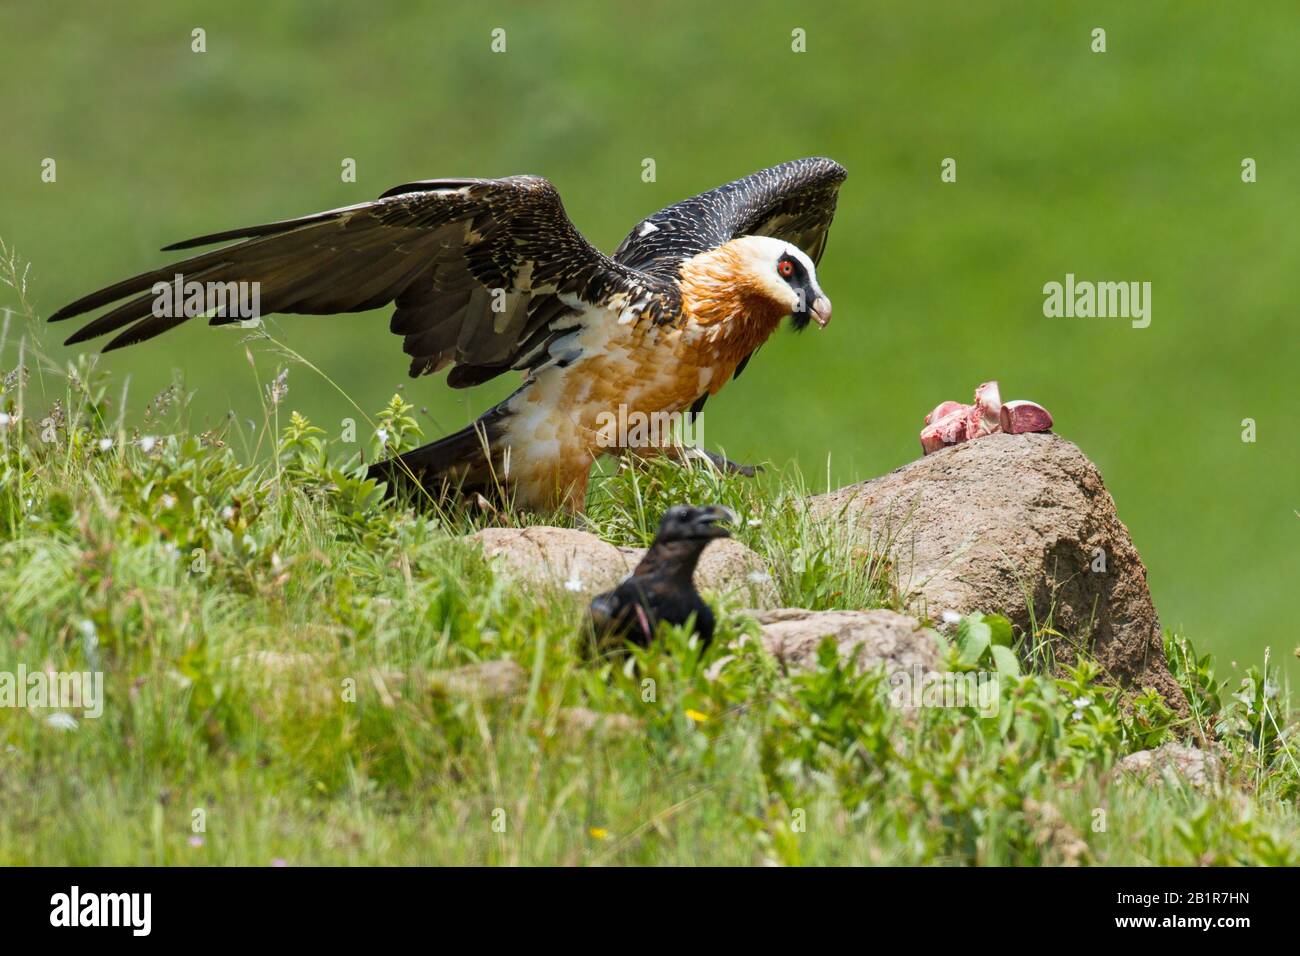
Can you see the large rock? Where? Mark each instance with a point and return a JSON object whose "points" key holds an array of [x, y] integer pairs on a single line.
{"points": [[582, 563], [1017, 525], [584, 722], [872, 638]]}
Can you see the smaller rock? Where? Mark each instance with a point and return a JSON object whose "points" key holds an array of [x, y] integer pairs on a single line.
{"points": [[311, 681], [1199, 768], [582, 721], [873, 638], [490, 680], [1053, 834], [577, 561], [277, 662]]}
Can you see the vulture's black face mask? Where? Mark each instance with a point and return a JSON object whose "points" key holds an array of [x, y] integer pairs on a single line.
{"points": [[812, 303]]}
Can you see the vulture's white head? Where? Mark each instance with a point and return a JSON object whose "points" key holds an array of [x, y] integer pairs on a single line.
{"points": [[786, 276]]}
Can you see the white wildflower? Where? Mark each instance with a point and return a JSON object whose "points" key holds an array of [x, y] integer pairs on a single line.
{"points": [[61, 721], [105, 444], [279, 387], [147, 443], [382, 435]]}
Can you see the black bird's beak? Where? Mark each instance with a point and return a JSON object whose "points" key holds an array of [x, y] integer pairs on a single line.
{"points": [[712, 520]]}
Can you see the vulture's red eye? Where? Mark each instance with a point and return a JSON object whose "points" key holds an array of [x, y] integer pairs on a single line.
{"points": [[786, 268]]}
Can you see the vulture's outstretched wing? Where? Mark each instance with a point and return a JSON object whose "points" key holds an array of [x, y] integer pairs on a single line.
{"points": [[794, 201], [484, 273]]}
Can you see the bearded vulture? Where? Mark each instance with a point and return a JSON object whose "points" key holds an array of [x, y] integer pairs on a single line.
{"points": [[489, 275]]}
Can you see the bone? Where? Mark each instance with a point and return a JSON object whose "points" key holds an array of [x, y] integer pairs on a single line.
{"points": [[942, 410], [951, 423], [1020, 416], [950, 429], [988, 400]]}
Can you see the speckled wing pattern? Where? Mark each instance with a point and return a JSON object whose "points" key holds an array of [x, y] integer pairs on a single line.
{"points": [[794, 201], [485, 273]]}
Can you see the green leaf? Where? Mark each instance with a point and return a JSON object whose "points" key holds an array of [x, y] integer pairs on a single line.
{"points": [[973, 638], [1001, 628], [1006, 661]]}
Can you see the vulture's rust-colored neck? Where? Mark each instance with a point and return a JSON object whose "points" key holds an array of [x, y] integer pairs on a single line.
{"points": [[721, 286]]}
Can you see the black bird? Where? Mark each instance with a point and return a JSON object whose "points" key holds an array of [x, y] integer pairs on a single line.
{"points": [[662, 586]]}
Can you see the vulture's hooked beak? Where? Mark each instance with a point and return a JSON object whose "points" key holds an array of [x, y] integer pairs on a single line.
{"points": [[821, 311]]}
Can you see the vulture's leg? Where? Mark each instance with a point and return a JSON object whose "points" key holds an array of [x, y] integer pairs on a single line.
{"points": [[683, 452], [723, 464]]}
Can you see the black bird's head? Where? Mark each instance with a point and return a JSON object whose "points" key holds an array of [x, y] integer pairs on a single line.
{"points": [[692, 523]]}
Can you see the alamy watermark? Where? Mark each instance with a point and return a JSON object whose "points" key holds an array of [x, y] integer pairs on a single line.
{"points": [[631, 428], [181, 299], [132, 911], [919, 688], [1085, 300], [59, 690]]}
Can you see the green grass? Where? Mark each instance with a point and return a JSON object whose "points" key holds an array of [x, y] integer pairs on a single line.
{"points": [[1120, 166], [253, 615]]}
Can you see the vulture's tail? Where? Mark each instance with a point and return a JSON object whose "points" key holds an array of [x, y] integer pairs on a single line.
{"points": [[463, 463]]}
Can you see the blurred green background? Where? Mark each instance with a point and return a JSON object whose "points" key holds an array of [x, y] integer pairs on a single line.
{"points": [[1117, 166]]}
